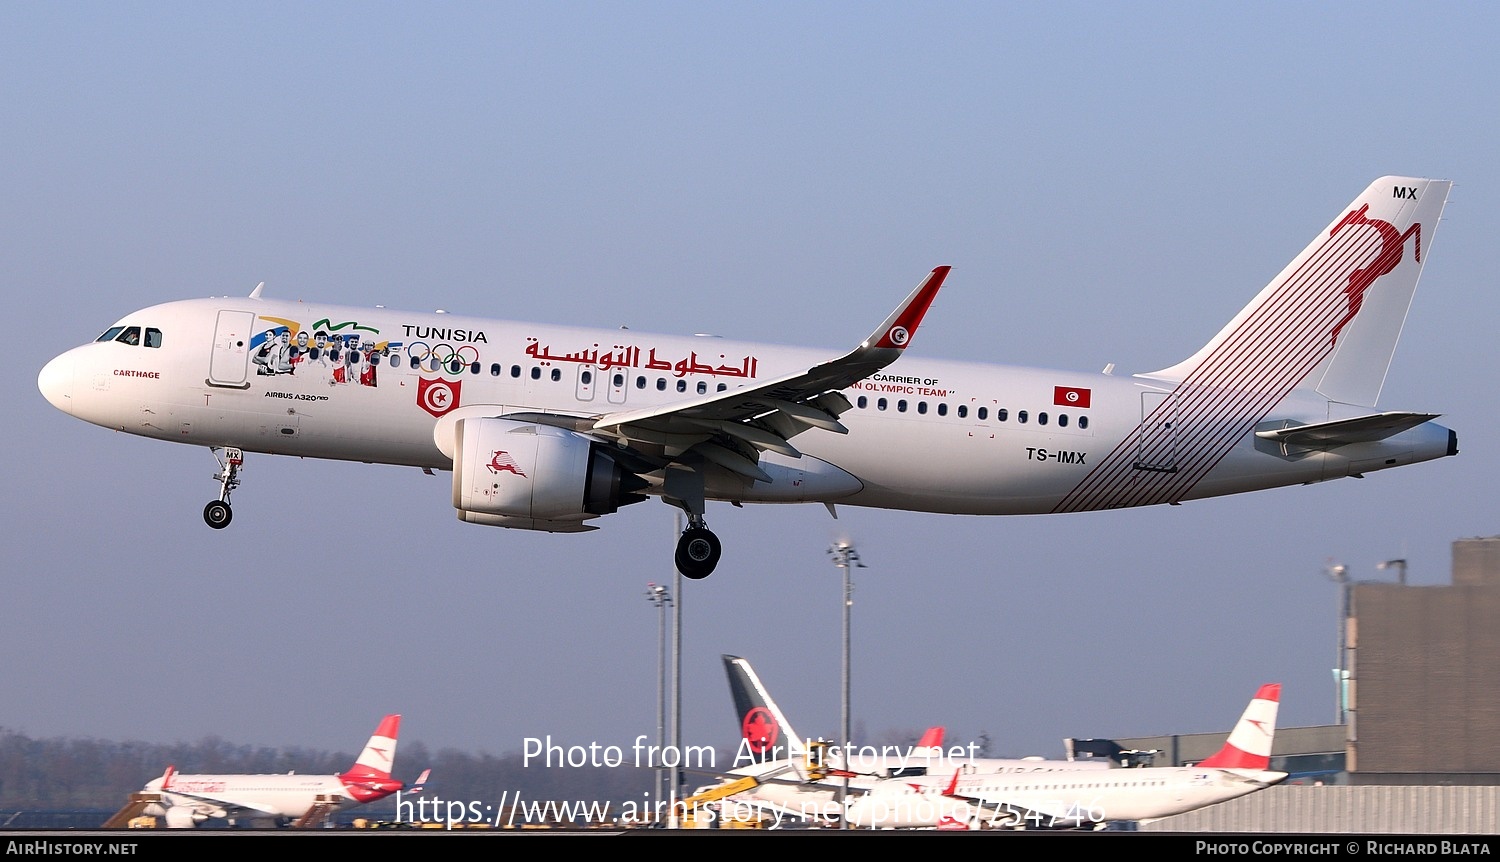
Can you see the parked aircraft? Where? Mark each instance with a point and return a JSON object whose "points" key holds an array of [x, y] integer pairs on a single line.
{"points": [[550, 427], [188, 800], [809, 773], [1084, 799]]}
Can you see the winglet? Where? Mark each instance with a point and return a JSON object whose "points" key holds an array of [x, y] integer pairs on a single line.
{"points": [[255, 294], [1249, 744], [897, 330]]}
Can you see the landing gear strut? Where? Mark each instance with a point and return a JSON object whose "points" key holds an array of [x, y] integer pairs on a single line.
{"points": [[217, 513], [698, 550]]}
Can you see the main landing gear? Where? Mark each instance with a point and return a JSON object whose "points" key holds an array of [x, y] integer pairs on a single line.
{"points": [[698, 550], [217, 513]]}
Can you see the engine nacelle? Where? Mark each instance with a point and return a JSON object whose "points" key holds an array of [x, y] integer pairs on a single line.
{"points": [[532, 475], [184, 817]]}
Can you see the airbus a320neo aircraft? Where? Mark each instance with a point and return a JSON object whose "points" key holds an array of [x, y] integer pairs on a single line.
{"points": [[188, 800], [549, 427]]}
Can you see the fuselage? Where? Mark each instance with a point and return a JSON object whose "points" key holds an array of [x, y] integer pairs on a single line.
{"points": [[378, 386], [1061, 800]]}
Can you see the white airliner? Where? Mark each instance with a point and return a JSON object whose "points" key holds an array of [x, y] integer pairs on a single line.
{"points": [[188, 800], [549, 427], [1082, 800], [807, 782]]}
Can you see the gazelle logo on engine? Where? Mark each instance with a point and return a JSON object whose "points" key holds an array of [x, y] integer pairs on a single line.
{"points": [[501, 462], [437, 396]]}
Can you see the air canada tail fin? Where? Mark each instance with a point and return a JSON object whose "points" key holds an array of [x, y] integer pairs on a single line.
{"points": [[764, 731], [379, 754], [1249, 744], [1332, 318]]}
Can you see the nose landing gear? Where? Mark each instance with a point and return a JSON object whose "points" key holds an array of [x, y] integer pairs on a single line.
{"points": [[217, 513]]}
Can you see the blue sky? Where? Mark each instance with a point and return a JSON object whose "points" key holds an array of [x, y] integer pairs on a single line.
{"points": [[1110, 182]]}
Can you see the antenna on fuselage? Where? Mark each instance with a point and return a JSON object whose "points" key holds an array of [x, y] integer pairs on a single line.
{"points": [[255, 294]]}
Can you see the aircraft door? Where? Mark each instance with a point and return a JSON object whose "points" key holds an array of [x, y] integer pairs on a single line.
{"points": [[1156, 438], [618, 386], [230, 363], [587, 377]]}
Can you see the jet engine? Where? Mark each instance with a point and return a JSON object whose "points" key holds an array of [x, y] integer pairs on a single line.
{"points": [[536, 477], [183, 817]]}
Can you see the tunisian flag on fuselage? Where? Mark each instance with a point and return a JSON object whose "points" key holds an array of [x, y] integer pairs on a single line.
{"points": [[1071, 396]]}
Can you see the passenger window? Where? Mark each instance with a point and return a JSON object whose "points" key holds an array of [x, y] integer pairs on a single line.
{"points": [[474, 367], [536, 373], [880, 404], [618, 381], [1002, 414], [515, 371], [640, 382], [702, 387], [1062, 420], [1041, 418], [721, 387], [1021, 416], [901, 406], [983, 413], [1083, 421], [495, 370], [153, 337], [963, 411], [556, 374], [586, 377], [922, 407], [942, 408], [862, 402], [682, 386], [661, 384]]}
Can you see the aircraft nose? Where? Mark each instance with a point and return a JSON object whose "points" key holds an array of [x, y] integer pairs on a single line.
{"points": [[56, 382]]}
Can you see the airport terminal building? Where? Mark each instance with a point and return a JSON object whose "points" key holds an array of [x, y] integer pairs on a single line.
{"points": [[1419, 749]]}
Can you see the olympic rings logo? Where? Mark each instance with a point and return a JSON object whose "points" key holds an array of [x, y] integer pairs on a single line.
{"points": [[442, 357]]}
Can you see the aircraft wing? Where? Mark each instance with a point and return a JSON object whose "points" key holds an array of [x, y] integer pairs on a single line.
{"points": [[232, 807], [1361, 429], [765, 416]]}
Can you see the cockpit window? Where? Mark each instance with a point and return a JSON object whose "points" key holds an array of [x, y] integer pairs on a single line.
{"points": [[132, 335], [110, 333], [153, 337]]}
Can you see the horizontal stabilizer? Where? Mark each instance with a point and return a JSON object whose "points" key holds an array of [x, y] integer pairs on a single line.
{"points": [[1339, 432]]}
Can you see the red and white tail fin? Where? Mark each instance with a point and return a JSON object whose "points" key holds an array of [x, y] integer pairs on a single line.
{"points": [[933, 738], [1331, 319], [421, 783], [166, 777], [1249, 744], [380, 752]]}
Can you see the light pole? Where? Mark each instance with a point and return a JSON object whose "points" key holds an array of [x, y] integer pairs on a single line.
{"points": [[845, 558], [660, 598], [1339, 574]]}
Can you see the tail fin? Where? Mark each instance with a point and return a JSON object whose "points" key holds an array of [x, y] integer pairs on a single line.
{"points": [[1332, 318], [933, 738], [1249, 744], [421, 783], [380, 752], [762, 726]]}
